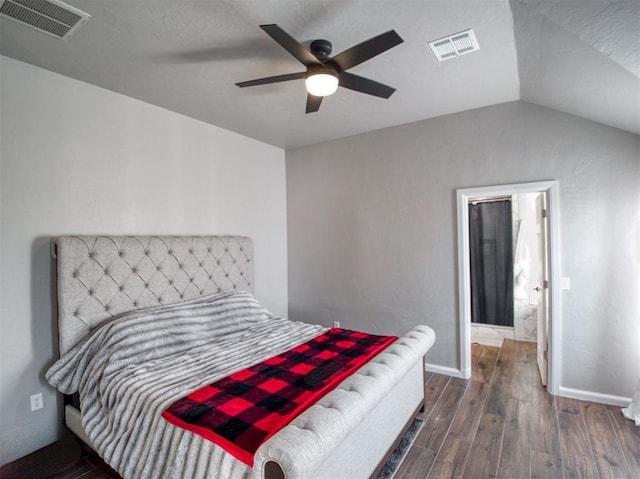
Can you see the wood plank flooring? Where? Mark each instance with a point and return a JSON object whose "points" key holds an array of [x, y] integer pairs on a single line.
{"points": [[499, 424], [86, 465], [503, 424]]}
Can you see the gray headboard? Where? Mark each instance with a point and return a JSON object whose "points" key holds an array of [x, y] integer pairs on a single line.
{"points": [[102, 276]]}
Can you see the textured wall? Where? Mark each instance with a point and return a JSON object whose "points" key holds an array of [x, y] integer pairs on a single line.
{"points": [[372, 229], [80, 159]]}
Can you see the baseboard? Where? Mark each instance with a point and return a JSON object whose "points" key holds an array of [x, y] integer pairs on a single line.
{"points": [[434, 368], [594, 397]]}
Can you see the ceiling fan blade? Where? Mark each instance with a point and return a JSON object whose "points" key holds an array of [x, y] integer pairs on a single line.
{"points": [[291, 45], [368, 49], [313, 103], [364, 85], [275, 79]]}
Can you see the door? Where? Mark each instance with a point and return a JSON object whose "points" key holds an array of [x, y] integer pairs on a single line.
{"points": [[542, 222]]}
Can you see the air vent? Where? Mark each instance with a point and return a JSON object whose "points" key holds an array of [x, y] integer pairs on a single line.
{"points": [[454, 45], [48, 16]]}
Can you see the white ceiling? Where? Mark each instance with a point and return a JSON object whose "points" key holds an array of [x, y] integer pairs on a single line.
{"points": [[582, 57]]}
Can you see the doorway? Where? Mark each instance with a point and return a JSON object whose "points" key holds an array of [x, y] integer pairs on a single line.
{"points": [[505, 235], [502, 239]]}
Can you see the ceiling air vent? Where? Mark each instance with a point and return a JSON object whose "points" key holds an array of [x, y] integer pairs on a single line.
{"points": [[48, 16], [454, 45]]}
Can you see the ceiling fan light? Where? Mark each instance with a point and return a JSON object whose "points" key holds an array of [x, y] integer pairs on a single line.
{"points": [[321, 84]]}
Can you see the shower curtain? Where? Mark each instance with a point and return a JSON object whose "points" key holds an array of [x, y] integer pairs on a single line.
{"points": [[491, 248]]}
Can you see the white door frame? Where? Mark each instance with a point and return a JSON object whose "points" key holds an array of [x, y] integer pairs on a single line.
{"points": [[464, 272]]}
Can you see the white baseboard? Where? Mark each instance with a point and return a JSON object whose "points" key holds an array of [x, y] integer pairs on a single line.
{"points": [[594, 397], [434, 368]]}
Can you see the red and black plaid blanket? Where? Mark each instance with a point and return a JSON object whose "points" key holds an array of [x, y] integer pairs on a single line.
{"points": [[243, 410]]}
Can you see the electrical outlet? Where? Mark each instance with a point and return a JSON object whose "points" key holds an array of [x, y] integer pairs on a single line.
{"points": [[336, 324], [36, 402]]}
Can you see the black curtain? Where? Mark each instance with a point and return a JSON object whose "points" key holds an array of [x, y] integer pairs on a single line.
{"points": [[491, 245]]}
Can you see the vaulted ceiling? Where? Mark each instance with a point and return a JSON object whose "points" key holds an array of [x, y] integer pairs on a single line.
{"points": [[581, 57]]}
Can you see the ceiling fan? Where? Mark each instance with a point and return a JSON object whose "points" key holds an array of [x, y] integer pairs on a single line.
{"points": [[324, 74]]}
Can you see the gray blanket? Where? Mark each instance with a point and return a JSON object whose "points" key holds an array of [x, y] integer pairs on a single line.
{"points": [[130, 368]]}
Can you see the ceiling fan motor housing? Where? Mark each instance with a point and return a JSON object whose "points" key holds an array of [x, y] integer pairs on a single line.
{"points": [[321, 49]]}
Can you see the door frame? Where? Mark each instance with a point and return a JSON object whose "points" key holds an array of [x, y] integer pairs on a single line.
{"points": [[464, 195]]}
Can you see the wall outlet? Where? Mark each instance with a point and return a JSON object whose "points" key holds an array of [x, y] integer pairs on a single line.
{"points": [[36, 402], [336, 324]]}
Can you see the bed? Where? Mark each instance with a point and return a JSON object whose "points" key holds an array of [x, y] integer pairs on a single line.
{"points": [[105, 282]]}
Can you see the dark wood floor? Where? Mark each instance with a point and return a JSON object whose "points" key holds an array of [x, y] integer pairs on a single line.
{"points": [[502, 424], [41, 464], [499, 424]]}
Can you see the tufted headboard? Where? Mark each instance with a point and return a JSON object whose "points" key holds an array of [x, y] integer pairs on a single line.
{"points": [[102, 276]]}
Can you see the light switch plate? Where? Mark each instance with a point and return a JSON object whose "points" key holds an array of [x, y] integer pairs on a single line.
{"points": [[565, 283]]}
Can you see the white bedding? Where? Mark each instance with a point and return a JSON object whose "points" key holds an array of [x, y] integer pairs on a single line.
{"points": [[130, 368]]}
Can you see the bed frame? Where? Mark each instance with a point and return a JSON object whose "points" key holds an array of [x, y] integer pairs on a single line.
{"points": [[102, 276]]}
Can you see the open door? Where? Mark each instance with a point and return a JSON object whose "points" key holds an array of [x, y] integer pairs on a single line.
{"points": [[542, 222]]}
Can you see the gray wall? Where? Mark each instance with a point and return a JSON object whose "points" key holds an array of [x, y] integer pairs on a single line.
{"points": [[372, 229], [79, 159]]}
